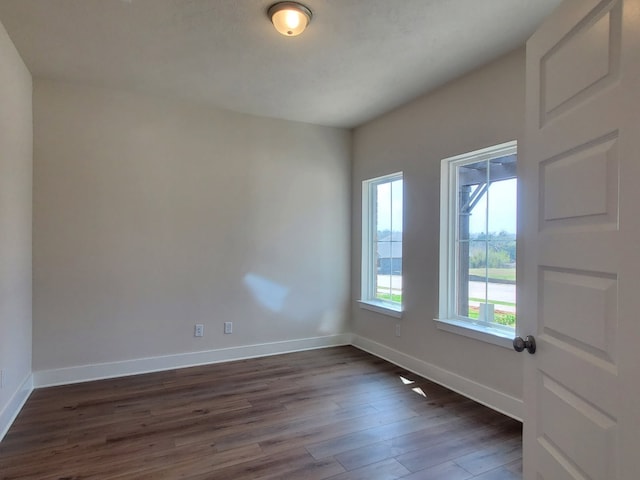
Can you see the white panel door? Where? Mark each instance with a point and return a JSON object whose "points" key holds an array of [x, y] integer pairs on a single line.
{"points": [[580, 234]]}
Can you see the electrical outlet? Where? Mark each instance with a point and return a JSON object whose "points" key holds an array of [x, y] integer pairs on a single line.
{"points": [[397, 329], [228, 327], [198, 331]]}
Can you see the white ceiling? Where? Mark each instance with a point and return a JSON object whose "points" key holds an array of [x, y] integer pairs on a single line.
{"points": [[357, 60]]}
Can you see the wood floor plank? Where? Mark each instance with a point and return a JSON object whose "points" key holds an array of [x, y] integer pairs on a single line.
{"points": [[416, 441], [501, 473], [443, 471], [336, 413], [456, 445], [491, 457], [385, 470]]}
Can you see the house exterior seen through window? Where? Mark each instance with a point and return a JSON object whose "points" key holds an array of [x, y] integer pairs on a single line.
{"points": [[478, 239], [382, 218]]}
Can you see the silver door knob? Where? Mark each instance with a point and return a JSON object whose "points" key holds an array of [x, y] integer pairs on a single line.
{"points": [[529, 343]]}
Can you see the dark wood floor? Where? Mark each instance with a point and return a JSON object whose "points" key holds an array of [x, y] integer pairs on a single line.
{"points": [[335, 413]]}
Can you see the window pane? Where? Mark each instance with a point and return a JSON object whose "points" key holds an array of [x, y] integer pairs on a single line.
{"points": [[501, 261], [384, 255], [472, 200], [472, 287], [383, 208], [396, 262], [502, 204], [477, 210], [384, 266], [472, 233], [396, 206], [389, 244], [502, 278]]}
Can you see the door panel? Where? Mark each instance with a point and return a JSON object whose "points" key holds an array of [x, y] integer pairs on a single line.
{"points": [[581, 183], [581, 62], [568, 417], [594, 302], [580, 232]]}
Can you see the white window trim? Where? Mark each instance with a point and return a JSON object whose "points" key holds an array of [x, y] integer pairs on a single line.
{"points": [[447, 319], [477, 331], [367, 295], [389, 309]]}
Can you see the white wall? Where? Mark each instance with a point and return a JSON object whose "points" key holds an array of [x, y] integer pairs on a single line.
{"points": [[481, 109], [15, 229], [152, 215]]}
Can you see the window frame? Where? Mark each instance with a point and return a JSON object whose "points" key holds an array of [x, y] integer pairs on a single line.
{"points": [[447, 319], [368, 298]]}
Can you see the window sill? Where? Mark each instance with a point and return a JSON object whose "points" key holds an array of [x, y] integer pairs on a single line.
{"points": [[478, 332], [381, 307]]}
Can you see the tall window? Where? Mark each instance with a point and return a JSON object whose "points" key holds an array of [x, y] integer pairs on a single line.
{"points": [[478, 238], [382, 241]]}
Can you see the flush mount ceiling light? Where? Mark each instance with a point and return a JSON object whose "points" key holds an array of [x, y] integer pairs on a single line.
{"points": [[289, 18]]}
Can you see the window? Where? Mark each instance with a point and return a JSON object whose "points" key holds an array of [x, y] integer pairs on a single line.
{"points": [[382, 244], [478, 242]]}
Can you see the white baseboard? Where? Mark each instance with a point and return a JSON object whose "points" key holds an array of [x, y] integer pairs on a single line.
{"points": [[12, 409], [511, 406], [86, 373]]}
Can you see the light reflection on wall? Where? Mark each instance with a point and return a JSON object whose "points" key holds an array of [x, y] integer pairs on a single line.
{"points": [[268, 293], [295, 303]]}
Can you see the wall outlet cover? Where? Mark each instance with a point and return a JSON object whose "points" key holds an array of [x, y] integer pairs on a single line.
{"points": [[198, 331]]}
